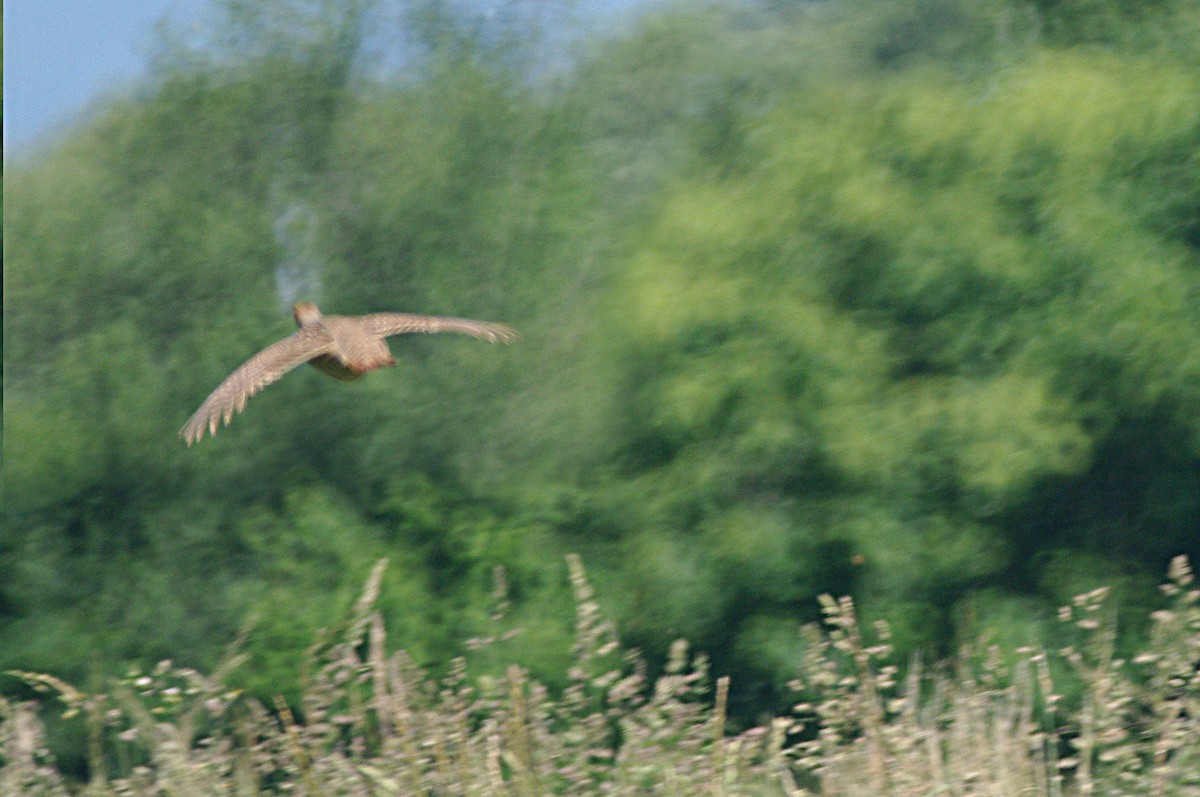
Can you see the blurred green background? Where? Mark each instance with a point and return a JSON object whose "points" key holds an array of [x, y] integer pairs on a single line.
{"points": [[895, 299]]}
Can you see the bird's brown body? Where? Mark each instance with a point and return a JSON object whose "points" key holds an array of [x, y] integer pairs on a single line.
{"points": [[345, 347]]}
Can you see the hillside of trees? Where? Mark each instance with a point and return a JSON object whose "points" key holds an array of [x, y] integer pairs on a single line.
{"points": [[897, 300]]}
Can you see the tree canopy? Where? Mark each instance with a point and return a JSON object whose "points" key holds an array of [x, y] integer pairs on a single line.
{"points": [[900, 300]]}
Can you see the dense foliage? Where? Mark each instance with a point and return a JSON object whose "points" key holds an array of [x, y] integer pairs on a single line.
{"points": [[899, 300]]}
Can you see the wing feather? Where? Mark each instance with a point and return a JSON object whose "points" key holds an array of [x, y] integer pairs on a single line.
{"points": [[384, 324], [252, 376]]}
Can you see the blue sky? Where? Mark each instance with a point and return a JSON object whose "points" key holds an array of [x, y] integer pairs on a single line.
{"points": [[61, 56]]}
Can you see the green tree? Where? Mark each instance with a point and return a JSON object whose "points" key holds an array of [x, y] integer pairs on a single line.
{"points": [[887, 298], [936, 327]]}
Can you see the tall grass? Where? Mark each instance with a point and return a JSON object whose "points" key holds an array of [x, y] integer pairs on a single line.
{"points": [[1075, 720]]}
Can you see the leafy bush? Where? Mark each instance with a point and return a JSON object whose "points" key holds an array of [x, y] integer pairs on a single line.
{"points": [[889, 298]]}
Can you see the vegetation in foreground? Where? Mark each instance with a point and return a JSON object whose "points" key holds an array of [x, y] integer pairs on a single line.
{"points": [[371, 722]]}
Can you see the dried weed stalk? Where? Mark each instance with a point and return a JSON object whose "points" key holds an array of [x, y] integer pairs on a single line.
{"points": [[371, 722]]}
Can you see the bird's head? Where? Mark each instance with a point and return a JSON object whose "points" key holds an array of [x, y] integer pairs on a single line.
{"points": [[306, 313]]}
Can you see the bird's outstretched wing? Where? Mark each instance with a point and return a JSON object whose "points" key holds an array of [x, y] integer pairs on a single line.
{"points": [[252, 376], [384, 324]]}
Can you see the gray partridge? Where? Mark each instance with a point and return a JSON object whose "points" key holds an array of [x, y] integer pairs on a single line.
{"points": [[345, 347]]}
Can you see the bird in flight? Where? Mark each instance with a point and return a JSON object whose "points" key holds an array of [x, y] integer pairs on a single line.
{"points": [[343, 346]]}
